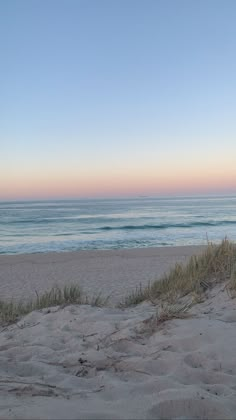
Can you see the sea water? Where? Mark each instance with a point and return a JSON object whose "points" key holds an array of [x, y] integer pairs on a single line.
{"points": [[70, 225]]}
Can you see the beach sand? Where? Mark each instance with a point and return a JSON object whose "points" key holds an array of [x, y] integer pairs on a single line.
{"points": [[82, 362], [113, 272]]}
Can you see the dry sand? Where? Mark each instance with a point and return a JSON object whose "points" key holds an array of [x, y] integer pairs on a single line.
{"points": [[114, 272], [82, 362]]}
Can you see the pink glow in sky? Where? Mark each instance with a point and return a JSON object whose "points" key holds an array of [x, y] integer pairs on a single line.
{"points": [[110, 182], [116, 98]]}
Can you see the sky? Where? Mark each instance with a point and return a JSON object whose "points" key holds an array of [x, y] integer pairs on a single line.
{"points": [[106, 98]]}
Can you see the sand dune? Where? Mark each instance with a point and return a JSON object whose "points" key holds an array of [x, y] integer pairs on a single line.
{"points": [[82, 362]]}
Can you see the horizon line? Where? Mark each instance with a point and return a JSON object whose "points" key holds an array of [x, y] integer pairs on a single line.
{"points": [[122, 197]]}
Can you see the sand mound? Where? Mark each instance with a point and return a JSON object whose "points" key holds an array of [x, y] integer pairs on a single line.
{"points": [[82, 362]]}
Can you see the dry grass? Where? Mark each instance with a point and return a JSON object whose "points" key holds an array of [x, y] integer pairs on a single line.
{"points": [[137, 296], [232, 282], [96, 300], [165, 312], [216, 264], [12, 311]]}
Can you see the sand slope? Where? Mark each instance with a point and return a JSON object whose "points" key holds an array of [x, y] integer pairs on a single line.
{"points": [[106, 363]]}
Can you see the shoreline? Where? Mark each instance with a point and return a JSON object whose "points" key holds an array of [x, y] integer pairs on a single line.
{"points": [[113, 273]]}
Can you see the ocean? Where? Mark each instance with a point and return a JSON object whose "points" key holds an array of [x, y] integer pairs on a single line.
{"points": [[71, 225]]}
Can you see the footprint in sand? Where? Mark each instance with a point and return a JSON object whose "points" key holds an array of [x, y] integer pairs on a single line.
{"points": [[188, 409]]}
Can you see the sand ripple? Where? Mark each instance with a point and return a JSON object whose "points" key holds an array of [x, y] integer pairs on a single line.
{"points": [[91, 363]]}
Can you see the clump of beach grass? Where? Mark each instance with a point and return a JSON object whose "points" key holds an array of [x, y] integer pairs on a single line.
{"points": [[137, 296], [216, 264], [97, 300], [165, 312], [232, 283], [59, 296], [12, 311]]}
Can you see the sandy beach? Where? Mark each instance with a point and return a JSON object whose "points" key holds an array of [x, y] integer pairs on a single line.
{"points": [[83, 362], [118, 210], [114, 272]]}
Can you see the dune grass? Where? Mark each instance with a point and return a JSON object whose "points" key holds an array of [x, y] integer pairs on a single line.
{"points": [[232, 282], [165, 312], [12, 311], [216, 264]]}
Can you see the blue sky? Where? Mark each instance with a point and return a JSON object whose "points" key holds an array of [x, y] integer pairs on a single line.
{"points": [[117, 97]]}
